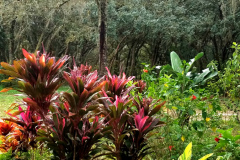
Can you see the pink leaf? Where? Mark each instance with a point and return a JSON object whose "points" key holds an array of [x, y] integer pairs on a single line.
{"points": [[146, 127], [142, 122], [109, 74], [24, 117], [63, 124], [137, 120], [117, 99], [141, 113]]}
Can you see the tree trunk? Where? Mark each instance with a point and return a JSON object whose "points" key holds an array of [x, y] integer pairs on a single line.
{"points": [[11, 44], [102, 14]]}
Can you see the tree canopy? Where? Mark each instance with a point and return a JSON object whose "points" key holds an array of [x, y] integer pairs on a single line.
{"points": [[137, 31]]}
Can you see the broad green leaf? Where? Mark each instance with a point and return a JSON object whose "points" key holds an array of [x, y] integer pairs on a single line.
{"points": [[221, 144], [211, 75], [198, 56], [176, 62], [200, 77], [187, 154], [192, 61]]}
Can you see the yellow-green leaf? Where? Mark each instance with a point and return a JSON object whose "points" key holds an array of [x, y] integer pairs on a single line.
{"points": [[214, 129], [187, 154], [206, 156], [175, 108]]}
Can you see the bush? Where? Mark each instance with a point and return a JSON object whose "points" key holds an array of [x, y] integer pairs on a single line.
{"points": [[72, 124]]}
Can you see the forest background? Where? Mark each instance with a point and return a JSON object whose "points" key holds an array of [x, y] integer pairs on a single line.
{"points": [[137, 30]]}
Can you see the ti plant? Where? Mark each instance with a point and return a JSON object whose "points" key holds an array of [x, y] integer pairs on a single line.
{"points": [[130, 127], [140, 86], [10, 136], [144, 122], [117, 116], [116, 85], [38, 78], [72, 124], [30, 123], [76, 130]]}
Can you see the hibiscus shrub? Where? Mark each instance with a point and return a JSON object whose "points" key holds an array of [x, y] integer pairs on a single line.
{"points": [[73, 124]]}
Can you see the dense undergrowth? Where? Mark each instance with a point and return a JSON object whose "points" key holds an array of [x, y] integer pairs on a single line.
{"points": [[118, 117]]}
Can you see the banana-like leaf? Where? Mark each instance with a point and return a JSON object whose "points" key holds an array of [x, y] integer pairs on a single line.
{"points": [[209, 76], [176, 62], [198, 56], [201, 77]]}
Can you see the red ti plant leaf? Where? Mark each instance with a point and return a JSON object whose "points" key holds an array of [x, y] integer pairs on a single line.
{"points": [[68, 142], [116, 85], [140, 85], [42, 60], [6, 128], [27, 55], [150, 108], [141, 124], [117, 116], [140, 121]]}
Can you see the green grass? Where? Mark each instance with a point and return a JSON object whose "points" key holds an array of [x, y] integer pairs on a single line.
{"points": [[8, 98]]}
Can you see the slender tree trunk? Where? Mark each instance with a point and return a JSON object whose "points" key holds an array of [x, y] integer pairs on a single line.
{"points": [[102, 14], [11, 44]]}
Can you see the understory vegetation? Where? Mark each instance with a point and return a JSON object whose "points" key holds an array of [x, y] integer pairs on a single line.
{"points": [[73, 113]]}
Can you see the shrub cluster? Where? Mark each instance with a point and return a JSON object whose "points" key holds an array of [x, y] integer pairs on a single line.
{"points": [[71, 125]]}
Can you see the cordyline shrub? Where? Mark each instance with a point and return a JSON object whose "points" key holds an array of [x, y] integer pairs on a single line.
{"points": [[37, 78], [72, 125], [10, 136]]}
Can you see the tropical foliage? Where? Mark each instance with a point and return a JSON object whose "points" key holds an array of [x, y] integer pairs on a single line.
{"points": [[72, 124]]}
